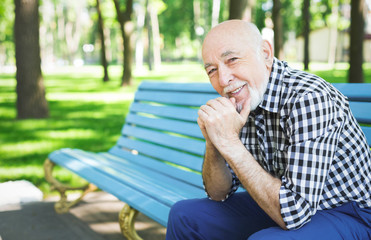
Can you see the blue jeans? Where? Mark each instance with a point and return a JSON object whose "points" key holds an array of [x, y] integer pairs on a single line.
{"points": [[239, 217]]}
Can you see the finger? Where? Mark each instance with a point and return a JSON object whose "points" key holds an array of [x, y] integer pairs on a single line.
{"points": [[233, 101], [207, 109], [216, 104], [246, 108]]}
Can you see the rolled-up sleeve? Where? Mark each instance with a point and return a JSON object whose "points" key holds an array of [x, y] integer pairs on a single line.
{"points": [[313, 128], [235, 184]]}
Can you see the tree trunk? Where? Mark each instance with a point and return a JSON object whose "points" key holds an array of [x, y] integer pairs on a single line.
{"points": [[333, 34], [237, 9], [150, 39], [357, 24], [306, 19], [31, 102], [139, 46], [127, 28], [156, 37], [278, 29], [215, 13], [103, 43]]}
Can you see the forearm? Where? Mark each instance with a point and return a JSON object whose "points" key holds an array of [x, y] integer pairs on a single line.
{"points": [[216, 175], [262, 187]]}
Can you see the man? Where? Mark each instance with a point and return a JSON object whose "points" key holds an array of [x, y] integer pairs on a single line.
{"points": [[287, 137]]}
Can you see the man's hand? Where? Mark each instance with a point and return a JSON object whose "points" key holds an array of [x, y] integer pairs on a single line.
{"points": [[219, 121]]}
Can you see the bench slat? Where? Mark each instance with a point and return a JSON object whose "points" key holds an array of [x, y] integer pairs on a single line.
{"points": [[138, 200], [186, 176], [165, 154], [175, 98], [185, 128], [182, 144], [137, 176], [192, 178], [180, 113], [361, 111], [367, 131], [184, 87], [355, 91]]}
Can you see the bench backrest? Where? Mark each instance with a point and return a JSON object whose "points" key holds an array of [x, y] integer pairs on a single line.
{"points": [[161, 127]]}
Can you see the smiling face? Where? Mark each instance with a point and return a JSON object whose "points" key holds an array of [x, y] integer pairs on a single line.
{"points": [[237, 61]]}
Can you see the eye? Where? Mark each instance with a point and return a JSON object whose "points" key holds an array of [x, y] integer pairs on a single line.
{"points": [[232, 59], [209, 72]]}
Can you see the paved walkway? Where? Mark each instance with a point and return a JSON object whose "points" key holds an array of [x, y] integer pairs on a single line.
{"points": [[95, 218]]}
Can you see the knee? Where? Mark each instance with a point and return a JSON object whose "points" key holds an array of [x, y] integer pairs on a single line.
{"points": [[180, 211], [270, 233], [181, 222]]}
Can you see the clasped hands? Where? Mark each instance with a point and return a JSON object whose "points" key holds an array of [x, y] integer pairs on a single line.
{"points": [[219, 121]]}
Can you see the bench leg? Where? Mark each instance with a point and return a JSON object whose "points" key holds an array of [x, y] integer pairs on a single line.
{"points": [[62, 206], [126, 219]]}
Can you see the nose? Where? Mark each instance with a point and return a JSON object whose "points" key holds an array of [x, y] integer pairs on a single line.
{"points": [[225, 75]]}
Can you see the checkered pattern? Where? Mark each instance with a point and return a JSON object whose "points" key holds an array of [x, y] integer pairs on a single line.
{"points": [[304, 133]]}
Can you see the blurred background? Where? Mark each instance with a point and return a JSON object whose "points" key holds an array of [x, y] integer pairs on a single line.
{"points": [[69, 68]]}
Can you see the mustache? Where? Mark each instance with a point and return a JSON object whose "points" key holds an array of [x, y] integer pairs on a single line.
{"points": [[233, 86]]}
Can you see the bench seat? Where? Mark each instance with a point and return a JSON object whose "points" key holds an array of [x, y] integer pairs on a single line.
{"points": [[130, 182]]}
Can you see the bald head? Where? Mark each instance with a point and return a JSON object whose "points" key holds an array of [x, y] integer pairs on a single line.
{"points": [[234, 32]]}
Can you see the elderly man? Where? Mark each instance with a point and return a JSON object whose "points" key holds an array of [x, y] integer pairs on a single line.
{"points": [[288, 137]]}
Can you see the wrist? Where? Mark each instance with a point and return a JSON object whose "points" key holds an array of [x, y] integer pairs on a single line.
{"points": [[230, 148]]}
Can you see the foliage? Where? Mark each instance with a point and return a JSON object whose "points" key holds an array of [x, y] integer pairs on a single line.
{"points": [[6, 32]]}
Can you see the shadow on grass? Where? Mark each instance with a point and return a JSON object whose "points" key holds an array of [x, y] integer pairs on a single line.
{"points": [[25, 144]]}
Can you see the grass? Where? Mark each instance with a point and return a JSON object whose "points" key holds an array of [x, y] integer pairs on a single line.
{"points": [[85, 113]]}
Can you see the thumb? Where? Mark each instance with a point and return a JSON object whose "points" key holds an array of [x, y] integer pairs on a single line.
{"points": [[246, 109], [233, 101]]}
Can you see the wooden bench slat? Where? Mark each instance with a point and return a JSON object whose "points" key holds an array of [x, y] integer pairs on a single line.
{"points": [[367, 131], [361, 111], [355, 91], [165, 154], [186, 176], [138, 200], [137, 176], [185, 128], [180, 113], [174, 98], [182, 144], [184, 87]]}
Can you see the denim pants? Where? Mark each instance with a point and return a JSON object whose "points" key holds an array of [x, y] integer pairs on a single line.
{"points": [[239, 217]]}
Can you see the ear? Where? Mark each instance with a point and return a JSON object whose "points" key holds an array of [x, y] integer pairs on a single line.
{"points": [[267, 53]]}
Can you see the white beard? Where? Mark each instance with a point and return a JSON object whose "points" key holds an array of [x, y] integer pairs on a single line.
{"points": [[256, 95]]}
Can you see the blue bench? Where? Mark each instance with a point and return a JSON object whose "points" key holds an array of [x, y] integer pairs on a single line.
{"points": [[157, 160]]}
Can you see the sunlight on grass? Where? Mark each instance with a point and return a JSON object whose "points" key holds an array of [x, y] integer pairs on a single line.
{"points": [[26, 147]]}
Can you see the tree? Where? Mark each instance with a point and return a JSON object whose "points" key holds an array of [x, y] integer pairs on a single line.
{"points": [[103, 42], [357, 24], [278, 29], [6, 32], [237, 9], [127, 28], [306, 31], [31, 102]]}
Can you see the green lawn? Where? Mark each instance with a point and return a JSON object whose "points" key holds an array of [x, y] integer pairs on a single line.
{"points": [[85, 113]]}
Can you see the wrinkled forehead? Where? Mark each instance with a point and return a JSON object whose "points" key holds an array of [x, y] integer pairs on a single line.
{"points": [[230, 36]]}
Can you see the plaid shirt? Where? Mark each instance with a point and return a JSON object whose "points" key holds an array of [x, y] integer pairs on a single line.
{"points": [[304, 133]]}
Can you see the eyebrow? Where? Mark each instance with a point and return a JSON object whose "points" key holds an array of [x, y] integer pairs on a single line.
{"points": [[224, 54]]}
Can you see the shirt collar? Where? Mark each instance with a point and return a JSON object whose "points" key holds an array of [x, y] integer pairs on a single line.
{"points": [[272, 96]]}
